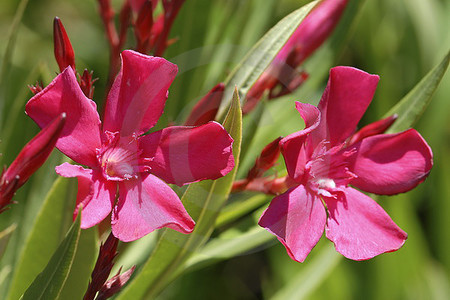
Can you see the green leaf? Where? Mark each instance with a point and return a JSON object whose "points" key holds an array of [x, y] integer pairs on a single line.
{"points": [[4, 237], [7, 58], [411, 107], [42, 241], [223, 248], [203, 200], [239, 209], [49, 283], [261, 55], [310, 275], [83, 264]]}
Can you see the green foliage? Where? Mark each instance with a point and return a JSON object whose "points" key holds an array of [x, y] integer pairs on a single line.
{"points": [[42, 241], [49, 283]]}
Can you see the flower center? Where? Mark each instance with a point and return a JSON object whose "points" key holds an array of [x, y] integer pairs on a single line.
{"points": [[120, 158], [327, 170]]}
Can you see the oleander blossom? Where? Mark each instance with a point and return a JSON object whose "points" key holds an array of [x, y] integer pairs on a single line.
{"points": [[323, 159], [129, 171]]}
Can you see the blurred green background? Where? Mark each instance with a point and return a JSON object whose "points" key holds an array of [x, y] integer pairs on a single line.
{"points": [[398, 40]]}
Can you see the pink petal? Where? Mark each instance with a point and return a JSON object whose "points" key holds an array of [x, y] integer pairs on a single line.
{"points": [[359, 228], [348, 94], [293, 146], [80, 136], [95, 194], [391, 163], [138, 95], [147, 205], [188, 154], [297, 218]]}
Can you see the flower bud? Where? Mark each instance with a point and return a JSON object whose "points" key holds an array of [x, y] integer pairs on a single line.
{"points": [[62, 47], [206, 109], [282, 76], [31, 158]]}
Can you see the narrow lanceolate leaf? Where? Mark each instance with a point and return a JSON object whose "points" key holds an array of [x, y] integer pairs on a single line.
{"points": [[83, 263], [49, 283], [411, 107], [203, 200], [223, 248], [42, 240], [261, 55], [310, 276]]}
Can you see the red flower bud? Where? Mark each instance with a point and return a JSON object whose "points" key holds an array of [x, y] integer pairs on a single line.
{"points": [[31, 158], [206, 109], [374, 128], [282, 76], [62, 47], [266, 160], [87, 83], [103, 266], [114, 285], [143, 26]]}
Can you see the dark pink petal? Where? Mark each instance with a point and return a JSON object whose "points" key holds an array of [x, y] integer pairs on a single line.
{"points": [[188, 154], [359, 228], [95, 194], [391, 163], [138, 95], [80, 136], [147, 205], [297, 218], [348, 94], [293, 146]]}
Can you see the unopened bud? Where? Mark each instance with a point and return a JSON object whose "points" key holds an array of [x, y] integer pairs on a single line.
{"points": [[62, 47], [374, 128], [206, 109], [31, 158]]}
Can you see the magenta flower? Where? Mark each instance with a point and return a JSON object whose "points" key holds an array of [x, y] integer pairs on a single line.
{"points": [[123, 162], [323, 159]]}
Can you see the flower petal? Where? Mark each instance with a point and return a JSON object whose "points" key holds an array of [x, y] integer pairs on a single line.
{"points": [[293, 146], [81, 133], [138, 95], [95, 194], [348, 94], [359, 228], [297, 218], [188, 154], [391, 163], [145, 206]]}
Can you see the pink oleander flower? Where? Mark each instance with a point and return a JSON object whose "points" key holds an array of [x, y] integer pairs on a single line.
{"points": [[126, 165], [323, 159], [282, 76]]}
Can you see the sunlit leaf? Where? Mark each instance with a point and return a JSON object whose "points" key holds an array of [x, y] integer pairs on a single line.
{"points": [[261, 55], [412, 106], [49, 283], [42, 241], [83, 264]]}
